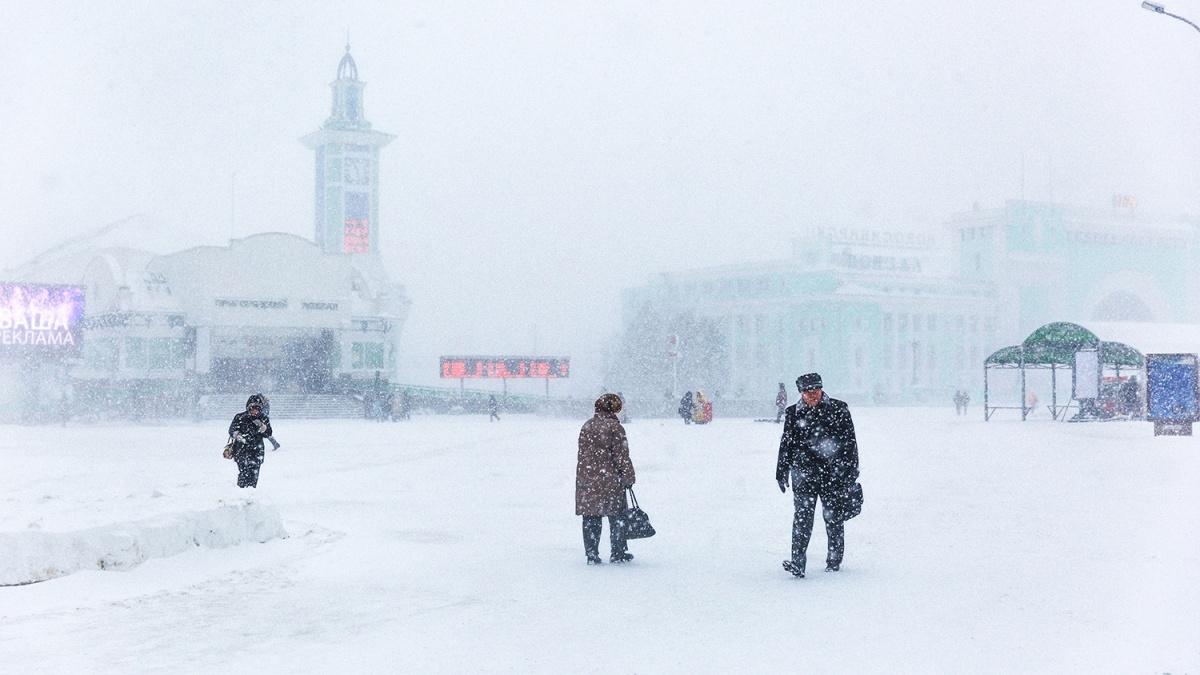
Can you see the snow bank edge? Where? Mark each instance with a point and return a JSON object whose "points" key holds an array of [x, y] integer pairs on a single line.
{"points": [[29, 557]]}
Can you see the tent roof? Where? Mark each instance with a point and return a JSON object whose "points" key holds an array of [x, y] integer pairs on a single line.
{"points": [[1056, 344], [1008, 356]]}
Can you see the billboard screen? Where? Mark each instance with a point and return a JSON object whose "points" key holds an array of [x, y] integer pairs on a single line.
{"points": [[40, 319], [507, 367], [1171, 387], [357, 236]]}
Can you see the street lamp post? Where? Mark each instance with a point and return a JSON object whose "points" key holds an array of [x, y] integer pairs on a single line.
{"points": [[1159, 9]]}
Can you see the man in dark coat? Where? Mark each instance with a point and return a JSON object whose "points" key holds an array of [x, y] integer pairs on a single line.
{"points": [[248, 430], [819, 453], [403, 405], [602, 473], [386, 408], [685, 407]]}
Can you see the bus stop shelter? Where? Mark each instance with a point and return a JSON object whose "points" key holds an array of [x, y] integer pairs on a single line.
{"points": [[1053, 347]]}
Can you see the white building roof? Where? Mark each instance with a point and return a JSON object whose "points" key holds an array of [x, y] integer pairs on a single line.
{"points": [[1150, 338]]}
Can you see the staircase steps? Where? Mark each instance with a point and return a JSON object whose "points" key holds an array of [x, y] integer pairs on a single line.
{"points": [[285, 406]]}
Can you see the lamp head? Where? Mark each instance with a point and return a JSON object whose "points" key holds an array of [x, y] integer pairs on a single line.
{"points": [[1153, 7]]}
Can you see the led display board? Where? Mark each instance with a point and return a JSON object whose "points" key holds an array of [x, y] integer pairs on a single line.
{"points": [[357, 235], [41, 319], [505, 367]]}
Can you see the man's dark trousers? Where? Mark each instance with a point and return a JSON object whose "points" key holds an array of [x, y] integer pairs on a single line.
{"points": [[806, 489]]}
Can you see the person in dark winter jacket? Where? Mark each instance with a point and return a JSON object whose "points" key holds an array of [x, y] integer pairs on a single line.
{"points": [[266, 412], [493, 408], [685, 407], [819, 454], [403, 406], [248, 430], [386, 408], [602, 473]]}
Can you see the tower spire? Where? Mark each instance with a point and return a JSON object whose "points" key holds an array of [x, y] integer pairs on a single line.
{"points": [[347, 149]]}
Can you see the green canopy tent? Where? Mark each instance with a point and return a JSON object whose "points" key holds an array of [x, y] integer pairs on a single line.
{"points": [[1053, 346]]}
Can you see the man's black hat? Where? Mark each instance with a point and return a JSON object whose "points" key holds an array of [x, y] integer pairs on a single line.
{"points": [[808, 381]]}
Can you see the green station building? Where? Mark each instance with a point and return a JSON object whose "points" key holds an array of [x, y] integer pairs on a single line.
{"points": [[898, 316]]}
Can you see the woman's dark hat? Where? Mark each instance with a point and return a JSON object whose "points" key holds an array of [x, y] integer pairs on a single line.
{"points": [[809, 381], [609, 403]]}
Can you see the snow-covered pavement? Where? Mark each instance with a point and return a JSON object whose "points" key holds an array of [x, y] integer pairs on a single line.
{"points": [[448, 544]]}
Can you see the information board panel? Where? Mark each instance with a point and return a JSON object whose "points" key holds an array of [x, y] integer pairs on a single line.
{"points": [[1171, 387], [1086, 374], [505, 367], [42, 320]]}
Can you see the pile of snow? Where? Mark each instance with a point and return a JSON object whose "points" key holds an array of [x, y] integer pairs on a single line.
{"points": [[32, 556]]}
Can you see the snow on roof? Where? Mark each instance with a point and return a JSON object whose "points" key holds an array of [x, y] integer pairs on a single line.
{"points": [[1150, 338], [138, 232]]}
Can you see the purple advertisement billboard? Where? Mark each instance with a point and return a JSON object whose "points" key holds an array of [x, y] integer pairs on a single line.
{"points": [[40, 319]]}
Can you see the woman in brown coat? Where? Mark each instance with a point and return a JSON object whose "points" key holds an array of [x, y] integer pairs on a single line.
{"points": [[601, 476]]}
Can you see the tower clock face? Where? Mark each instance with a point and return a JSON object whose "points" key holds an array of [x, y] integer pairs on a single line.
{"points": [[358, 171]]}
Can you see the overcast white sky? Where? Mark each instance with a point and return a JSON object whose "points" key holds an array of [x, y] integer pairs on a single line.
{"points": [[551, 153]]}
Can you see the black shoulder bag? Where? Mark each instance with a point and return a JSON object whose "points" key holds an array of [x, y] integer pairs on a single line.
{"points": [[635, 523], [852, 500]]}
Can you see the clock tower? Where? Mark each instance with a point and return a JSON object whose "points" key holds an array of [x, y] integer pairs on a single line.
{"points": [[347, 176]]}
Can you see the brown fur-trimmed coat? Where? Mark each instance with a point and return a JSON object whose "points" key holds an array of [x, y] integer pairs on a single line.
{"points": [[603, 469]]}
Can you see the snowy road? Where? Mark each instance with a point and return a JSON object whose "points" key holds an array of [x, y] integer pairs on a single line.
{"points": [[449, 544]]}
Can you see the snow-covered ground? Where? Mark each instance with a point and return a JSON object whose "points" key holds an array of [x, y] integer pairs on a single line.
{"points": [[448, 544]]}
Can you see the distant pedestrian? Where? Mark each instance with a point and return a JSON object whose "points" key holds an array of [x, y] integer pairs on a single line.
{"points": [[780, 403], [603, 471], [960, 402], [64, 407], [701, 409], [1130, 398], [493, 408], [389, 402], [248, 430], [685, 407], [404, 405], [623, 416], [819, 454]]}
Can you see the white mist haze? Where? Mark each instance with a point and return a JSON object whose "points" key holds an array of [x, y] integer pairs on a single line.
{"points": [[551, 154]]}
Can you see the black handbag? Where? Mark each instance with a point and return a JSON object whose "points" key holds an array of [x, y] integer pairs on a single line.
{"points": [[635, 523], [851, 501]]}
